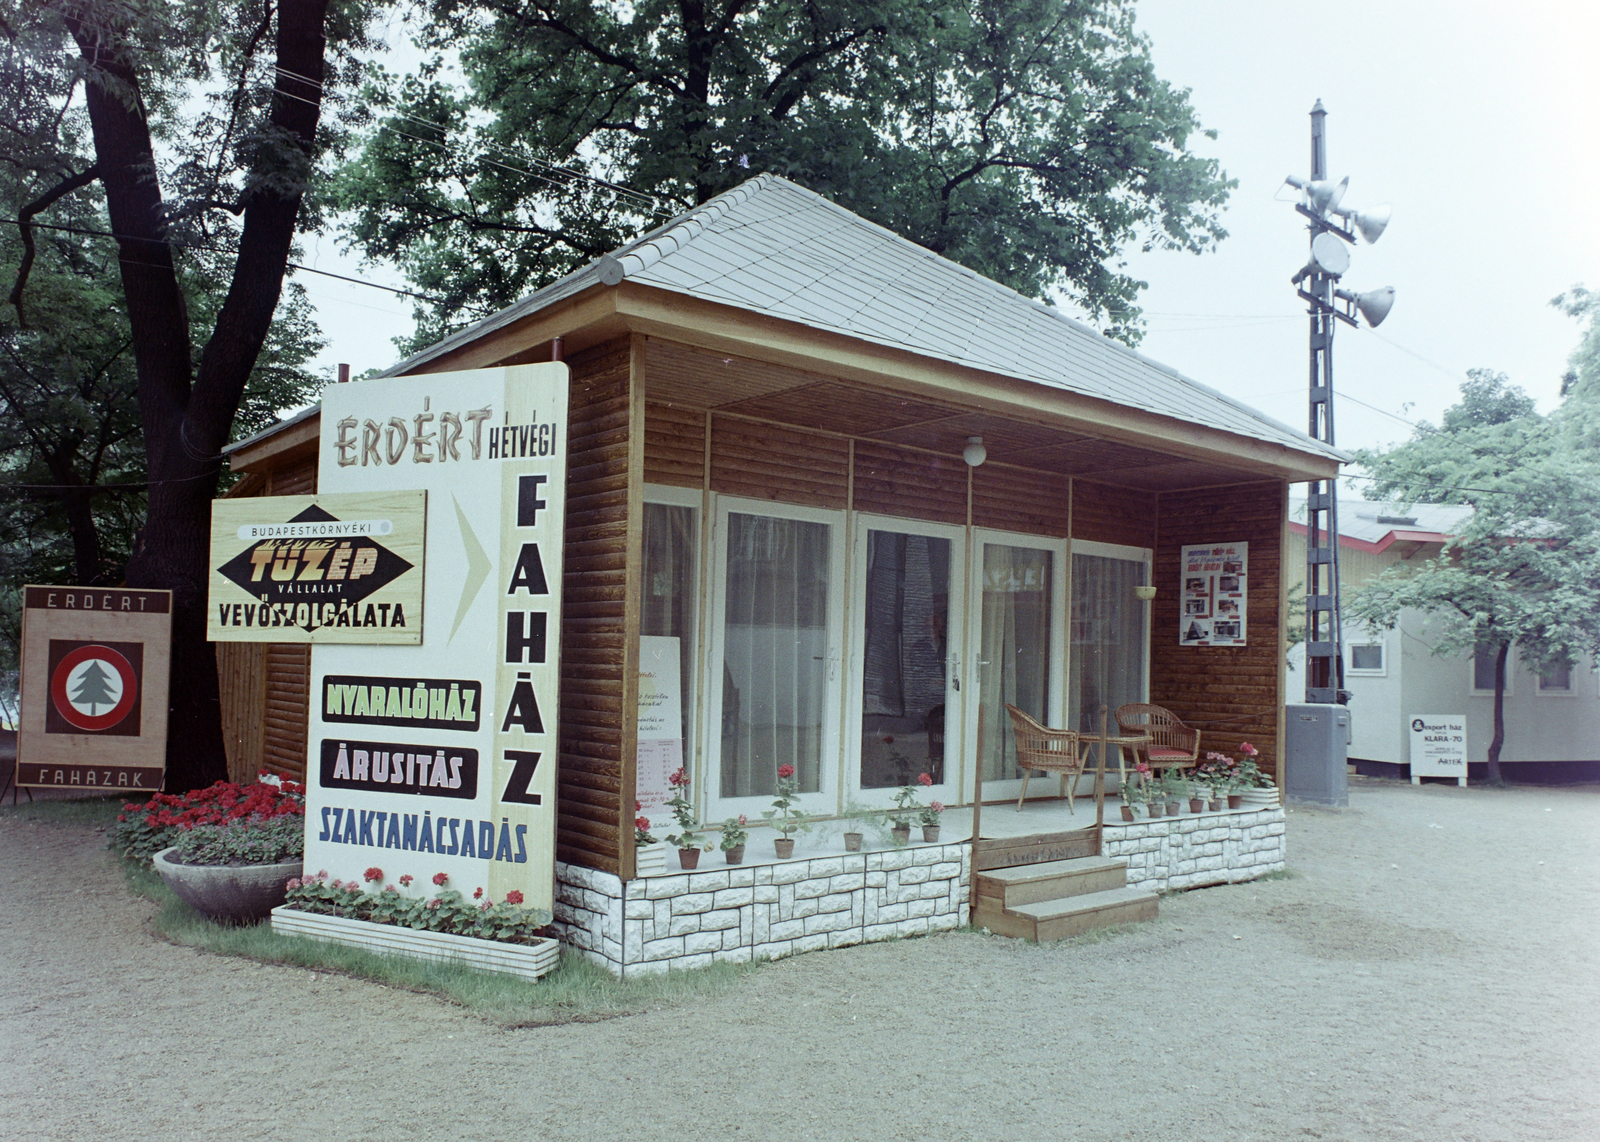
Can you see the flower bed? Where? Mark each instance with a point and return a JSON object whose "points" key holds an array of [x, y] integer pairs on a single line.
{"points": [[144, 828]]}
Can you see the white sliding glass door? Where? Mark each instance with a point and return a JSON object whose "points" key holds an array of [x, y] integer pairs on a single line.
{"points": [[1110, 633], [1020, 629], [774, 695], [904, 709]]}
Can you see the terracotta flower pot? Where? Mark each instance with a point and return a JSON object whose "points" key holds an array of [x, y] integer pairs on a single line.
{"points": [[688, 858], [901, 834], [930, 833], [1127, 812], [735, 855], [1216, 804], [1197, 804], [1174, 808], [784, 846], [1153, 808], [1235, 801], [852, 842]]}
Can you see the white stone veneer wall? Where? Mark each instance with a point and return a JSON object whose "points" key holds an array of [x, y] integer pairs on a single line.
{"points": [[744, 912], [1194, 850]]}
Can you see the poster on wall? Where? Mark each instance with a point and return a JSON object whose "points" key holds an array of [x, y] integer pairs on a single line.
{"points": [[94, 688], [1439, 746], [326, 568], [440, 757], [1213, 578], [660, 724]]}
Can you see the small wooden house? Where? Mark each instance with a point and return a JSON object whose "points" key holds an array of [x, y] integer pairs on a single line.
{"points": [[840, 494]]}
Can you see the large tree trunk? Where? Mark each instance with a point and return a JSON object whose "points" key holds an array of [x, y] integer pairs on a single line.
{"points": [[186, 425], [1499, 738]]}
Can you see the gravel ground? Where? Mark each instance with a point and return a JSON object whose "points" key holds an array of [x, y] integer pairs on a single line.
{"points": [[1428, 972]]}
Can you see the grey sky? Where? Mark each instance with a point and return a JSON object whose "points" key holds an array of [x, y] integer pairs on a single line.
{"points": [[1476, 124]]}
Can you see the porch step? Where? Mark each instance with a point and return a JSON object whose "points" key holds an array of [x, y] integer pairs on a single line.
{"points": [[1056, 899], [1074, 915], [1051, 880]]}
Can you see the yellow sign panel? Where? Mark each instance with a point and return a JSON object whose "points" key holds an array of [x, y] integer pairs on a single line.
{"points": [[319, 569]]}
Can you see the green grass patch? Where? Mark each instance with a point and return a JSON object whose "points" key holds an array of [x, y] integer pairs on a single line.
{"points": [[1280, 874], [96, 812], [578, 991]]}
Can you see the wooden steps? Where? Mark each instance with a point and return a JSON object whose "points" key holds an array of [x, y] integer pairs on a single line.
{"points": [[1056, 899]]}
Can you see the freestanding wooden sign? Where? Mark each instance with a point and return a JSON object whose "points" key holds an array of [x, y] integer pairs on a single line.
{"points": [[329, 568], [94, 687], [441, 757]]}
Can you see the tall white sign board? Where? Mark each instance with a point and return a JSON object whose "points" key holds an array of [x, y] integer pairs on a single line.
{"points": [[441, 757], [1438, 747]]}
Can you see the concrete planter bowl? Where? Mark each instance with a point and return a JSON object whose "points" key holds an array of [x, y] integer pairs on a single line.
{"points": [[242, 892]]}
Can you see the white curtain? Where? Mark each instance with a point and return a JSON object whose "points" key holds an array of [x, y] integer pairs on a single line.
{"points": [[775, 652], [1108, 638], [1014, 659]]}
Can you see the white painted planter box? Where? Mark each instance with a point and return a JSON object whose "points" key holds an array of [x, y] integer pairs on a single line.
{"points": [[529, 961]]}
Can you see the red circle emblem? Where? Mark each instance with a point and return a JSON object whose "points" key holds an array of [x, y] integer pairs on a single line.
{"points": [[124, 701]]}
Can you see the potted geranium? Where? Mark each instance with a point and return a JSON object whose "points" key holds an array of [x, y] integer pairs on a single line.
{"points": [[929, 819], [856, 816], [734, 835], [228, 850], [906, 806], [783, 815], [688, 843], [1174, 788]]}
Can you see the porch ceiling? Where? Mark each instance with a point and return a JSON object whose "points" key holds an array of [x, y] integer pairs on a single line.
{"points": [[692, 378]]}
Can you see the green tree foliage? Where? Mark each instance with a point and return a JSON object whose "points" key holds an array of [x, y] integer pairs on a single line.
{"points": [[1525, 570], [1030, 140], [157, 155]]}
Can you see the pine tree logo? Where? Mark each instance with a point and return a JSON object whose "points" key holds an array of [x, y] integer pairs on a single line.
{"points": [[94, 688]]}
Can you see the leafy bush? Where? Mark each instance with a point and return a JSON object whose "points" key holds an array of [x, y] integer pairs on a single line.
{"points": [[449, 911], [252, 841], [144, 828]]}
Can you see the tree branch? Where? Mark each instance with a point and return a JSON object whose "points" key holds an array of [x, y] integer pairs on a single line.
{"points": [[25, 224]]}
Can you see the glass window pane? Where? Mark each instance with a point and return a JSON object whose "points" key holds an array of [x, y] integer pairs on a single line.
{"points": [[1014, 653], [1108, 638], [668, 589], [1483, 659], [775, 653], [904, 658], [1556, 678], [1366, 656]]}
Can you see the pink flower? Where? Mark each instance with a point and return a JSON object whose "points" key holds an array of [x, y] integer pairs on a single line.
{"points": [[439, 878], [924, 779], [937, 806], [742, 820], [485, 906], [785, 771], [1247, 749], [514, 896], [294, 882], [406, 880], [373, 874], [433, 905]]}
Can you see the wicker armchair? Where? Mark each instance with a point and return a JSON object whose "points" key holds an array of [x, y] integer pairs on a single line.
{"points": [[1172, 744], [1047, 750]]}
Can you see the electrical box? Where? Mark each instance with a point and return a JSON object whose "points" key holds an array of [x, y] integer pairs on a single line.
{"points": [[1317, 746]]}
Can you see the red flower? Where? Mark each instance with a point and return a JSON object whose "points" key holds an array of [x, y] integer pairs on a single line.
{"points": [[477, 893], [642, 823], [888, 739], [439, 878], [406, 880], [1247, 749], [924, 779], [637, 804], [785, 771], [680, 777], [514, 896], [373, 874]]}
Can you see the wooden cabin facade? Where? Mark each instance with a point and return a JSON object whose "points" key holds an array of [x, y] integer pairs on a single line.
{"points": [[779, 495]]}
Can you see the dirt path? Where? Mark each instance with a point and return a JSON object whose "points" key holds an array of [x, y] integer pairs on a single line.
{"points": [[1429, 974]]}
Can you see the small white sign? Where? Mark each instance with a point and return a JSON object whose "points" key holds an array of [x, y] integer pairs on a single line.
{"points": [[1439, 746], [660, 725]]}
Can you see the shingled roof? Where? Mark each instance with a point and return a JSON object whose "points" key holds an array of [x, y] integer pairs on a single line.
{"points": [[772, 247]]}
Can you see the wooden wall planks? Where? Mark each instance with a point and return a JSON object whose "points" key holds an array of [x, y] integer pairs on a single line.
{"points": [[1106, 513], [1231, 694], [594, 611], [914, 485], [1016, 499], [770, 462]]}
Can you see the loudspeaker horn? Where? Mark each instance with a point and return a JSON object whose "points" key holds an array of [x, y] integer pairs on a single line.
{"points": [[1369, 223], [1373, 305]]}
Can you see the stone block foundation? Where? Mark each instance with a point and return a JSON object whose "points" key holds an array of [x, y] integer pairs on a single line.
{"points": [[1194, 850]]}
